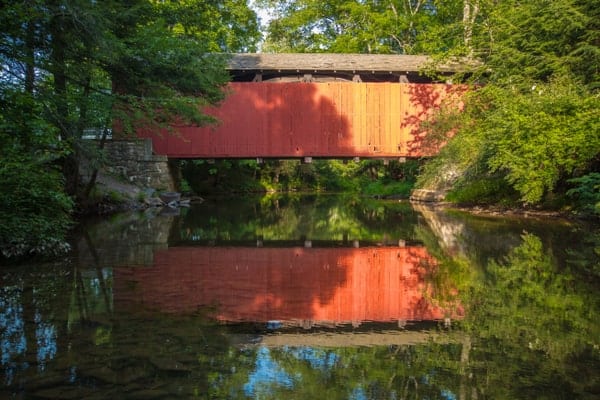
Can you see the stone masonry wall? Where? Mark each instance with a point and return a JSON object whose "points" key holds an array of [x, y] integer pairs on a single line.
{"points": [[134, 161]]}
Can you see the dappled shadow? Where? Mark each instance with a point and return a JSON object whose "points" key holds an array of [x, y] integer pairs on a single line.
{"points": [[294, 286], [284, 120], [424, 101]]}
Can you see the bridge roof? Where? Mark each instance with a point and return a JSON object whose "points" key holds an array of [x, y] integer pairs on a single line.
{"points": [[328, 62]]}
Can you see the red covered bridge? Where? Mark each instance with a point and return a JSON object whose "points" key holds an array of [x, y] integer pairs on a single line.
{"points": [[316, 105]]}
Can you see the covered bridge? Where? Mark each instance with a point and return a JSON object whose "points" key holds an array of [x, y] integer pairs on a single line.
{"points": [[317, 106]]}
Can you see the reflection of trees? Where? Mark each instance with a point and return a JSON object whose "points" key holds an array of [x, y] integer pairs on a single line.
{"points": [[530, 318], [317, 217], [535, 326], [32, 312], [405, 372]]}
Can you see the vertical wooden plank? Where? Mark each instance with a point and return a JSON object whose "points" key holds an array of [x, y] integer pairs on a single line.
{"points": [[280, 139], [380, 114], [373, 110], [394, 119], [316, 101], [326, 118], [343, 139], [406, 112], [300, 98], [361, 115], [278, 133], [330, 118], [353, 141], [369, 111], [388, 141]]}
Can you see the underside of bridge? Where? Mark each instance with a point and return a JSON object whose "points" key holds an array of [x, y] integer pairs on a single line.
{"points": [[317, 106]]}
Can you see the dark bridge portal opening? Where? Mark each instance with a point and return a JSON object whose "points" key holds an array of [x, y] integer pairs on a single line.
{"points": [[327, 76]]}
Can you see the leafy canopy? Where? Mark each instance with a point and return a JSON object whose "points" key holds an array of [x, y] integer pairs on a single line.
{"points": [[69, 67]]}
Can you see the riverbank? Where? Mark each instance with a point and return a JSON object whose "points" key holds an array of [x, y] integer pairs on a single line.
{"points": [[114, 195]]}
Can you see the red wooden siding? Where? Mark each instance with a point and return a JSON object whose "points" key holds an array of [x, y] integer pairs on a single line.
{"points": [[335, 119], [295, 285]]}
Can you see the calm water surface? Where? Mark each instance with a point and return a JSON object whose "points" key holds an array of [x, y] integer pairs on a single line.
{"points": [[307, 297]]}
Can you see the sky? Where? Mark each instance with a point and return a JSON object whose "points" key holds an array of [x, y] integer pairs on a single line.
{"points": [[264, 15]]}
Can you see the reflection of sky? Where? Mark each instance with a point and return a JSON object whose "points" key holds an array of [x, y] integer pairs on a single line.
{"points": [[45, 336], [448, 395], [98, 290], [358, 394], [317, 358], [12, 337], [13, 342], [267, 374]]}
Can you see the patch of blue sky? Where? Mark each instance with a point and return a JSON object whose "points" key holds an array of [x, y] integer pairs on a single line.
{"points": [[358, 393], [45, 335], [13, 342], [447, 394], [12, 326], [267, 375], [317, 358]]}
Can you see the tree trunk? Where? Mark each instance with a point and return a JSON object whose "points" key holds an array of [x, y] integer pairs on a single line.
{"points": [[470, 11], [30, 57], [94, 177], [70, 162]]}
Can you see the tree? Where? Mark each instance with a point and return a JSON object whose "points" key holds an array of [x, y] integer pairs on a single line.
{"points": [[339, 26], [75, 65], [533, 127]]}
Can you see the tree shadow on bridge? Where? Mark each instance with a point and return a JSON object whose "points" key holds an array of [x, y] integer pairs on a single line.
{"points": [[280, 120], [426, 135]]}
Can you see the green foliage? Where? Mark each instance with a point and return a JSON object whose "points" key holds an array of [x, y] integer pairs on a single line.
{"points": [[367, 177], [535, 41], [535, 122], [73, 67], [543, 136], [388, 189], [287, 216], [527, 307], [221, 176], [534, 138], [587, 193], [354, 27], [484, 190], [33, 207]]}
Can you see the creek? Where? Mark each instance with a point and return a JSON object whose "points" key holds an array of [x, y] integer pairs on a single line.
{"points": [[307, 297]]}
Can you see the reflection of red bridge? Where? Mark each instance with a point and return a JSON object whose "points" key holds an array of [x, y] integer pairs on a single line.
{"points": [[294, 285], [325, 105]]}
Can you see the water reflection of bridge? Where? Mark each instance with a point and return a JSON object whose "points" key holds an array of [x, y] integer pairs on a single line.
{"points": [[289, 286]]}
